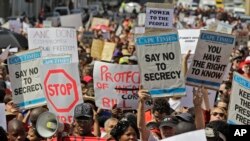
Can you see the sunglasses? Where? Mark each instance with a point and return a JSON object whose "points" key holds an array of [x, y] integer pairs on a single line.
{"points": [[220, 114]]}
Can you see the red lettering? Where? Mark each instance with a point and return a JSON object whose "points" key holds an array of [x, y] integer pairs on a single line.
{"points": [[101, 85], [106, 102], [134, 76], [65, 119], [62, 89], [105, 75]]}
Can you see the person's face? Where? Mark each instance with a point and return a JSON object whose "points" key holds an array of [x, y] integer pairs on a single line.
{"points": [[236, 64], [158, 117], [31, 135], [129, 135], [83, 126], [167, 131], [217, 114], [11, 107], [110, 126], [17, 135], [131, 49]]}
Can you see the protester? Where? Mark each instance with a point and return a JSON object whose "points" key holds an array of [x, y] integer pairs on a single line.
{"points": [[16, 131]]}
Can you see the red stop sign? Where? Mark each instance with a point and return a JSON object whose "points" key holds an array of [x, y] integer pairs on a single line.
{"points": [[61, 89]]}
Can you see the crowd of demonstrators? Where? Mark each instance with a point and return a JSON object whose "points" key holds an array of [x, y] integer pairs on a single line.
{"points": [[163, 120]]}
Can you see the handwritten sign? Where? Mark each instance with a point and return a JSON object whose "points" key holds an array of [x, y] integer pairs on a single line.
{"points": [[116, 84], [159, 57], [210, 59]]}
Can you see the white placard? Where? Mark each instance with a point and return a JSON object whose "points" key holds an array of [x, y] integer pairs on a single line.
{"points": [[188, 39], [3, 122], [198, 135], [54, 41], [73, 20], [159, 58], [210, 60], [24, 71], [159, 18], [239, 101]]}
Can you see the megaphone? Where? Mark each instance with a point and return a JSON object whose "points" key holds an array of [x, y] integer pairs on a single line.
{"points": [[48, 125]]}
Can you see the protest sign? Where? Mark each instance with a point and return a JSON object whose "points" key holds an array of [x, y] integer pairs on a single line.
{"points": [[187, 101], [15, 26], [197, 135], [188, 39], [73, 20], [116, 84], [54, 41], [3, 122], [239, 106], [224, 28], [96, 48], [210, 60], [119, 30], [139, 30], [242, 39], [5, 54], [99, 21], [141, 19], [157, 17], [25, 80], [160, 63], [62, 88], [107, 52], [47, 24]]}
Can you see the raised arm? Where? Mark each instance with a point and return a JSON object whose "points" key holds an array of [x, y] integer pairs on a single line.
{"points": [[144, 133], [199, 117], [184, 62]]}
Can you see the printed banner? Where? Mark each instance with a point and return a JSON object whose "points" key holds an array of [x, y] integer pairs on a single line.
{"points": [[159, 17], [96, 48], [210, 59], [160, 64], [239, 109], [116, 84], [188, 39], [107, 52], [224, 28], [62, 87], [54, 41], [24, 71]]}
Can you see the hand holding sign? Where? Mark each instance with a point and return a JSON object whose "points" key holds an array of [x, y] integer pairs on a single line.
{"points": [[143, 94], [197, 97]]}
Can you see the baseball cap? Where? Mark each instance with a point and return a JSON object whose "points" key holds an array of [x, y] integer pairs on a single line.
{"points": [[83, 111], [169, 121], [185, 117], [246, 62]]}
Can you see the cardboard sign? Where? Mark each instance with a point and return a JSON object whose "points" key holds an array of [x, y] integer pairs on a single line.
{"points": [[107, 52], [54, 41], [197, 135], [210, 60], [73, 20], [159, 58], [116, 84], [224, 28], [3, 122], [62, 88], [24, 69], [96, 48], [239, 101], [99, 21], [188, 39]]}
